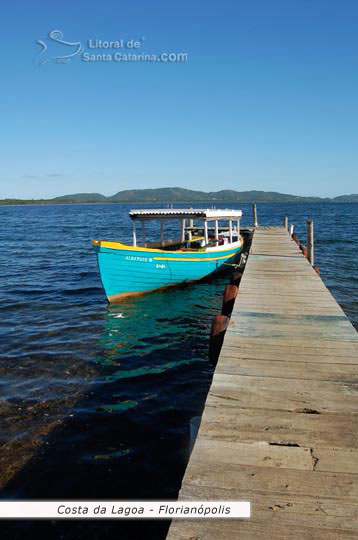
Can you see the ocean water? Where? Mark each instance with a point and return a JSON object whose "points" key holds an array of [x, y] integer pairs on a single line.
{"points": [[96, 400]]}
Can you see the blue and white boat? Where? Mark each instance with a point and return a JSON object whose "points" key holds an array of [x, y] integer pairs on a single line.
{"points": [[209, 240]]}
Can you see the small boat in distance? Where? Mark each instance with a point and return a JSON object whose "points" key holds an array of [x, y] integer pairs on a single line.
{"points": [[198, 252]]}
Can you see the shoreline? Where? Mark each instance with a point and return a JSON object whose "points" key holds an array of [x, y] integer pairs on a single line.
{"points": [[47, 203]]}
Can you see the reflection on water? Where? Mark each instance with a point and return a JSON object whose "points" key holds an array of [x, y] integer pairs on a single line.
{"points": [[138, 335], [127, 429]]}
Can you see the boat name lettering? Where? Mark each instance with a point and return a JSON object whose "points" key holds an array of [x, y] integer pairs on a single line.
{"points": [[161, 266], [140, 259]]}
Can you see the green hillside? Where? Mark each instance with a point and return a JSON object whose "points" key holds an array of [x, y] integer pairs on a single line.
{"points": [[181, 195]]}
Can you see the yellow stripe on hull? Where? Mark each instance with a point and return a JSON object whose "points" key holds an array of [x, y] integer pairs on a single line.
{"points": [[124, 247], [118, 245], [191, 260]]}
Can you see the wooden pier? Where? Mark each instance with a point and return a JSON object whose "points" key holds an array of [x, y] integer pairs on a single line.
{"points": [[280, 424]]}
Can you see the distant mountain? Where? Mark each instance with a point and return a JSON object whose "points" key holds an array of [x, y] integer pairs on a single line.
{"points": [[181, 195], [81, 197], [346, 198], [261, 196], [162, 195], [177, 194]]}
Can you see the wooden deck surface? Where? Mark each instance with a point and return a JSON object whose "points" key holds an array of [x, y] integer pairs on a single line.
{"points": [[280, 424]]}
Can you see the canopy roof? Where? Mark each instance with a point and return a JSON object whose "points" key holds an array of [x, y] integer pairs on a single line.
{"points": [[191, 213]]}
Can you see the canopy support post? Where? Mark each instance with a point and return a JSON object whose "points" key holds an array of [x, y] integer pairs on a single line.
{"points": [[143, 233], [206, 236], [161, 233], [134, 232], [191, 225], [182, 238]]}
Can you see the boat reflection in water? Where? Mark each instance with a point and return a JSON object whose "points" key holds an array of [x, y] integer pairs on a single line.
{"points": [[158, 332], [155, 348]]}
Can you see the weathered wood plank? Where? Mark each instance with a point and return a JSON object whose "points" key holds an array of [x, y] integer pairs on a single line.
{"points": [[276, 455], [304, 426], [342, 346], [258, 453], [319, 371], [290, 354], [285, 482], [282, 393], [249, 530], [276, 515]]}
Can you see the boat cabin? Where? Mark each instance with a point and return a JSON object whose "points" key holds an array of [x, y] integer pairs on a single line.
{"points": [[200, 228]]}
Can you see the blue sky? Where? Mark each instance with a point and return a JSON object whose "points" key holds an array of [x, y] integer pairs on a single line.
{"points": [[266, 100]]}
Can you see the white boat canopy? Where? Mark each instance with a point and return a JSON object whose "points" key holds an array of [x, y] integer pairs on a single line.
{"points": [[186, 216], [186, 213]]}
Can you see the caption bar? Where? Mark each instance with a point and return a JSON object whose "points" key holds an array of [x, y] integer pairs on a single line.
{"points": [[124, 509]]}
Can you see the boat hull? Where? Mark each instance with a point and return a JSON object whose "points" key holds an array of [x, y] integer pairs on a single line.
{"points": [[129, 271]]}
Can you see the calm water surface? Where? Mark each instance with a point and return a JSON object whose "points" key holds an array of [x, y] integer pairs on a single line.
{"points": [[96, 401]]}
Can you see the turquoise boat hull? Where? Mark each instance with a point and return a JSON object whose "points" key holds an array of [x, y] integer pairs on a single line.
{"points": [[127, 270]]}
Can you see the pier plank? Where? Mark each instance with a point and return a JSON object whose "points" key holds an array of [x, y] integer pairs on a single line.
{"points": [[303, 426], [277, 516], [273, 367], [280, 423]]}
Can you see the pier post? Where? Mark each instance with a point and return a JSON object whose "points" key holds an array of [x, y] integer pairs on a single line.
{"points": [[218, 329], [285, 222], [291, 229], [230, 295], [254, 209], [310, 241], [236, 278]]}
